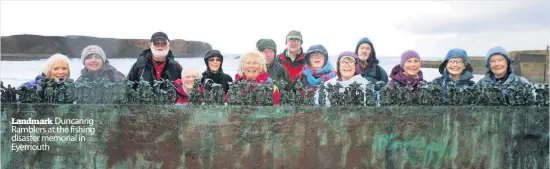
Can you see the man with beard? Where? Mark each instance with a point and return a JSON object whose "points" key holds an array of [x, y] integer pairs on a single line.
{"points": [[157, 62], [370, 69], [293, 57]]}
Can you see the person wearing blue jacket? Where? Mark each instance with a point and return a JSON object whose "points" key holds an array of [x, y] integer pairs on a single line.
{"points": [[370, 69], [498, 70], [455, 68]]}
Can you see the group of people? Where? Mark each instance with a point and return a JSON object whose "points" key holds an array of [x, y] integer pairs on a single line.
{"points": [[293, 65]]}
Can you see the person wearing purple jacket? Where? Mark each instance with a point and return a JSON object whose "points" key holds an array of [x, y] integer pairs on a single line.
{"points": [[408, 71]]}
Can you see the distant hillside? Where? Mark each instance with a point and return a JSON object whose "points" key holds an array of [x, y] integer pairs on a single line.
{"points": [[26, 47]]}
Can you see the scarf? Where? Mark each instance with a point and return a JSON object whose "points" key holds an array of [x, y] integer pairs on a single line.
{"points": [[316, 77]]}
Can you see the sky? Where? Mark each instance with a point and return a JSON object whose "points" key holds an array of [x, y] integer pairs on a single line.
{"points": [[429, 27]]}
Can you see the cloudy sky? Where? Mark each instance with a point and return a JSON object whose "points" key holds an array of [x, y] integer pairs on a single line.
{"points": [[430, 27]]}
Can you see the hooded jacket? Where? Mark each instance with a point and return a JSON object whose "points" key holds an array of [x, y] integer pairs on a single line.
{"points": [[275, 69], [219, 76], [144, 67], [465, 77], [34, 82], [107, 72], [398, 78], [293, 67], [373, 72], [312, 77], [490, 77]]}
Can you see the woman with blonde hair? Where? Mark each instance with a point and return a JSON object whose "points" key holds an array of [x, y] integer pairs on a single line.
{"points": [[253, 67], [56, 67], [185, 85]]}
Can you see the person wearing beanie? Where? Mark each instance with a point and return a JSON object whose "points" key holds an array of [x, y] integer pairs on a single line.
{"points": [[408, 71], [214, 71], [348, 71], [275, 69], [96, 66], [317, 70], [156, 63], [455, 68], [498, 70], [292, 57], [369, 63]]}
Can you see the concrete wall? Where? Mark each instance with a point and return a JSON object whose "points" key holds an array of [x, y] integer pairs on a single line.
{"points": [[138, 136]]}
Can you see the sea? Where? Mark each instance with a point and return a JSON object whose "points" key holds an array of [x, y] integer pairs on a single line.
{"points": [[19, 72]]}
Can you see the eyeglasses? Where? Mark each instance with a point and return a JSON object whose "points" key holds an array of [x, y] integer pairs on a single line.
{"points": [[456, 62], [160, 43], [214, 59], [293, 40]]}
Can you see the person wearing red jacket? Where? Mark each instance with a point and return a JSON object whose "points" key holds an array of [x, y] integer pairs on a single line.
{"points": [[185, 84], [293, 58], [253, 67]]}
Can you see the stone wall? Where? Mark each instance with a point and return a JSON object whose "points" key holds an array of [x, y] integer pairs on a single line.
{"points": [[188, 137]]}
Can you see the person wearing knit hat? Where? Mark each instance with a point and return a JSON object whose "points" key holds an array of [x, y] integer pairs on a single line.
{"points": [[348, 72], [369, 63], [275, 69], [292, 57], [96, 65], [317, 69], [456, 67], [408, 71], [498, 70]]}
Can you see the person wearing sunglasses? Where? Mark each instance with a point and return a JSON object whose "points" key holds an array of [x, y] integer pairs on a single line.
{"points": [[348, 71], [214, 61], [455, 68], [157, 62]]}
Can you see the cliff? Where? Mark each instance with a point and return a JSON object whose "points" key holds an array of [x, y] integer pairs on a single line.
{"points": [[27, 47]]}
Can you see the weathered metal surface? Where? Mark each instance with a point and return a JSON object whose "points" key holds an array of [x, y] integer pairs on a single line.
{"points": [[139, 136]]}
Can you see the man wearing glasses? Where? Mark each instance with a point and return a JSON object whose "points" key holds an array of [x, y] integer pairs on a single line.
{"points": [[157, 62]]}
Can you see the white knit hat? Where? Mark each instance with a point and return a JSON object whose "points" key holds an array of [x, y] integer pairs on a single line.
{"points": [[91, 50]]}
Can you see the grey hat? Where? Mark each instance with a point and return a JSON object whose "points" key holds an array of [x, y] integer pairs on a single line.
{"points": [[91, 50]]}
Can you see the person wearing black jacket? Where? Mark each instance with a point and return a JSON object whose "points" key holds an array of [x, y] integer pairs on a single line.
{"points": [[156, 63], [214, 61]]}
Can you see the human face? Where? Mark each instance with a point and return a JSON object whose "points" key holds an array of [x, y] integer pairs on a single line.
{"points": [[188, 79], [214, 64], [293, 45], [251, 68], [364, 51], [347, 68], [317, 60], [498, 65], [59, 69], [455, 66], [160, 48], [93, 62], [411, 67], [269, 55]]}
